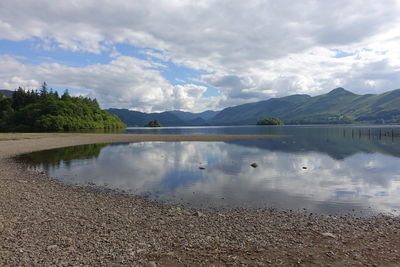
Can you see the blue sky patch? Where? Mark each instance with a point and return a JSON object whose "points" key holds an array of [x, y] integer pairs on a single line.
{"points": [[342, 54], [33, 53]]}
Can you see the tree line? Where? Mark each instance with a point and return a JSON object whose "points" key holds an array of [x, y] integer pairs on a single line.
{"points": [[45, 110], [270, 121]]}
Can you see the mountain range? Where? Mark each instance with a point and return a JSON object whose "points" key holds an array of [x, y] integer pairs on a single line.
{"points": [[167, 118], [6, 93], [337, 106]]}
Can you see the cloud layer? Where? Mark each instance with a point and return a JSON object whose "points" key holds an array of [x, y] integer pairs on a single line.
{"points": [[248, 50]]}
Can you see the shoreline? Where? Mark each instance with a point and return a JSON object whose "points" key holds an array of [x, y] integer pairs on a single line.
{"points": [[44, 222], [19, 143]]}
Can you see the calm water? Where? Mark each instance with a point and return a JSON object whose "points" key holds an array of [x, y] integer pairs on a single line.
{"points": [[251, 129], [331, 170]]}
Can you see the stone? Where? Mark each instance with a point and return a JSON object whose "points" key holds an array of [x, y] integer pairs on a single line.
{"points": [[140, 251], [52, 247], [199, 214], [254, 165], [328, 235], [151, 264]]}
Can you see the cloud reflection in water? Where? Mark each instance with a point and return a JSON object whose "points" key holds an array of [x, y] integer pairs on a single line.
{"points": [[170, 172]]}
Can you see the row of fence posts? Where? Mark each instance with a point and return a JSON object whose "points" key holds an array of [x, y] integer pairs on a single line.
{"points": [[372, 133]]}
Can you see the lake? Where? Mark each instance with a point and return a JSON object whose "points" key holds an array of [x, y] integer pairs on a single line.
{"points": [[319, 169]]}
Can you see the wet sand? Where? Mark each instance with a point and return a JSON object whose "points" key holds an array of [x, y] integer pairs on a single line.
{"points": [[46, 223]]}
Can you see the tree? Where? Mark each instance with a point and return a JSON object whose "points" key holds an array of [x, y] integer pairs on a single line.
{"points": [[44, 90], [66, 95], [19, 98], [270, 121], [44, 110], [154, 123]]}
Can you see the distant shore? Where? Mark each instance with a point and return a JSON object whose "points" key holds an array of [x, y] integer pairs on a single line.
{"points": [[43, 222]]}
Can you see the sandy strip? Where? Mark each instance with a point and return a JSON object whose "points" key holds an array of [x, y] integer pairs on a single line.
{"points": [[17, 143], [45, 223]]}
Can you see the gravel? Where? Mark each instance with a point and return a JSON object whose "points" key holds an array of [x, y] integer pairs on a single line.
{"points": [[46, 223]]}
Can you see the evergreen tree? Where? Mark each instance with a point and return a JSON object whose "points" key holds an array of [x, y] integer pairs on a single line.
{"points": [[154, 123], [44, 90], [44, 110], [270, 121], [66, 96]]}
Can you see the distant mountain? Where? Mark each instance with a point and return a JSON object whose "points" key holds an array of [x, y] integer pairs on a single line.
{"points": [[187, 116], [6, 93], [167, 118], [137, 118], [337, 106], [252, 112]]}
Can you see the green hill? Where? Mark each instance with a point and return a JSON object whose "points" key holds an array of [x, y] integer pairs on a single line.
{"points": [[189, 116], [337, 106], [46, 111]]}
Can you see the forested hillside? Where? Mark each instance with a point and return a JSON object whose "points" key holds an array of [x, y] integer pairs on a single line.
{"points": [[337, 106], [45, 110]]}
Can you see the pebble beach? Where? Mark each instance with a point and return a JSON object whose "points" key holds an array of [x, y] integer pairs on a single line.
{"points": [[46, 223]]}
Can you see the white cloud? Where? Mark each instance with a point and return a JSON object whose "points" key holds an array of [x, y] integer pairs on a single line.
{"points": [[126, 82], [254, 49]]}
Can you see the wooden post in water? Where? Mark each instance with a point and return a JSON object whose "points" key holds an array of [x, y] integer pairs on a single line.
{"points": [[392, 135]]}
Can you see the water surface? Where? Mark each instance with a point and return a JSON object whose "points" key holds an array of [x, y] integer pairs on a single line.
{"points": [[326, 170]]}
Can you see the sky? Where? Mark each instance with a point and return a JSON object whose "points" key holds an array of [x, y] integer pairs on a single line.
{"points": [[196, 55]]}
